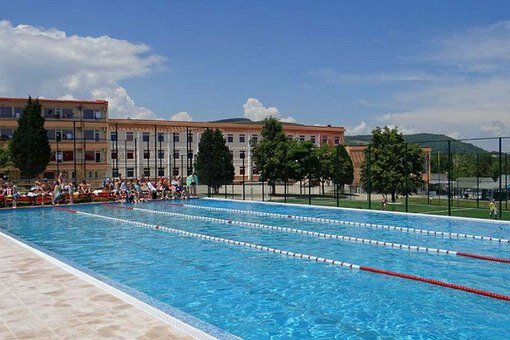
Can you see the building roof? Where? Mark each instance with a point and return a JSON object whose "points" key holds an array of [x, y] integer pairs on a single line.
{"points": [[256, 126], [44, 100]]}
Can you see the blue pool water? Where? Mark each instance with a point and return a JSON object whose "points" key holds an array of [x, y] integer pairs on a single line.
{"points": [[257, 295]]}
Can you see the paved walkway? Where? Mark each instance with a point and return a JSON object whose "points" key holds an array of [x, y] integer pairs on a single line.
{"points": [[40, 300]]}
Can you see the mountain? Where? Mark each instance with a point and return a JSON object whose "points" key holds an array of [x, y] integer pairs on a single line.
{"points": [[436, 141]]}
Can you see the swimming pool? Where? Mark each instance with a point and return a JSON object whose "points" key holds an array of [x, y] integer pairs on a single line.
{"points": [[220, 261]]}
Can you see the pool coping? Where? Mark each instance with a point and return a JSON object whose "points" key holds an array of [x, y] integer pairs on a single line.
{"points": [[167, 314], [363, 210]]}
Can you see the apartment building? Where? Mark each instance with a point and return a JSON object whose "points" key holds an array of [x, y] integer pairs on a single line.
{"points": [[88, 145], [166, 148], [77, 131]]}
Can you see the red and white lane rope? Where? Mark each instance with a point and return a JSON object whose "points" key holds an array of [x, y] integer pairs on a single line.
{"points": [[298, 255], [356, 224], [321, 235]]}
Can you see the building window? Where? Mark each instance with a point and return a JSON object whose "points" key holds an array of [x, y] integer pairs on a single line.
{"points": [[161, 172], [175, 171], [145, 136], [98, 157], [130, 172], [130, 154], [176, 154], [161, 154], [302, 138], [88, 114], [325, 140], [190, 137], [18, 111], [68, 156], [90, 156], [176, 137], [58, 156], [147, 172], [6, 134], [242, 138], [337, 140], [113, 136], [255, 138], [242, 154], [67, 114], [50, 134], [190, 154], [230, 138], [91, 135], [67, 135], [161, 137], [129, 136], [290, 137], [241, 170], [92, 114], [114, 154], [146, 154], [5, 112], [231, 154], [312, 139]]}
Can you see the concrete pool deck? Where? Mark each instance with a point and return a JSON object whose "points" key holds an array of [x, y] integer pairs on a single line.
{"points": [[38, 299]]}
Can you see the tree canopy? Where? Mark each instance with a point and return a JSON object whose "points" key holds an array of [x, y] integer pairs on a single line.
{"points": [[271, 153], [214, 164], [29, 148], [392, 166], [279, 158]]}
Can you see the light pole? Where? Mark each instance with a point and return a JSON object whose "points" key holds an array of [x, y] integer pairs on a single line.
{"points": [[57, 137]]}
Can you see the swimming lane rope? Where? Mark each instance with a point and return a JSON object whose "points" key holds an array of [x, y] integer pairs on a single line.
{"points": [[357, 224], [297, 255], [321, 235]]}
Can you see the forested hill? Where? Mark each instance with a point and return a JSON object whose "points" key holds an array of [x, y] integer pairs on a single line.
{"points": [[435, 141]]}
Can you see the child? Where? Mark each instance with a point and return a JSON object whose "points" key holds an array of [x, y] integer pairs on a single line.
{"points": [[493, 211]]}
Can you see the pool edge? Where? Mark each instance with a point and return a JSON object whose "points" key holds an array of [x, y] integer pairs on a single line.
{"points": [[172, 321]]}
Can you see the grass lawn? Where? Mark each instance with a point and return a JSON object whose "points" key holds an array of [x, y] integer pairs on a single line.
{"points": [[461, 208]]}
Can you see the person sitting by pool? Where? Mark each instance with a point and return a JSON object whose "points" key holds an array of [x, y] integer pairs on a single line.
{"points": [[184, 193], [45, 190], [493, 210], [84, 187]]}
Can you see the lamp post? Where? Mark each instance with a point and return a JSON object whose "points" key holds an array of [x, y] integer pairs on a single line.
{"points": [[58, 137]]}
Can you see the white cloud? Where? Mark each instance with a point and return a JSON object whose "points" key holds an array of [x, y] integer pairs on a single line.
{"points": [[255, 110], [182, 117], [49, 63], [361, 129]]}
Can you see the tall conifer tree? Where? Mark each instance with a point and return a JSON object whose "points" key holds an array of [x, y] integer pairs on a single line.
{"points": [[29, 147]]}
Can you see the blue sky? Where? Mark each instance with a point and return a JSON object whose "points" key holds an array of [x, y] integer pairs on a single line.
{"points": [[357, 64]]}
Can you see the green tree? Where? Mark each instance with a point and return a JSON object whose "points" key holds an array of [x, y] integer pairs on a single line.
{"points": [[29, 147], [271, 153], [324, 164], [214, 164], [391, 165], [344, 169], [5, 158]]}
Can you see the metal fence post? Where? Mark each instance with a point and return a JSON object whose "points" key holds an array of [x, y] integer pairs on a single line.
{"points": [[369, 160], [500, 179], [449, 178], [309, 176], [407, 179], [336, 176], [478, 180]]}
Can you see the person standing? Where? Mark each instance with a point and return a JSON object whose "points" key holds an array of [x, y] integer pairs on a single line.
{"points": [[493, 210], [191, 183]]}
